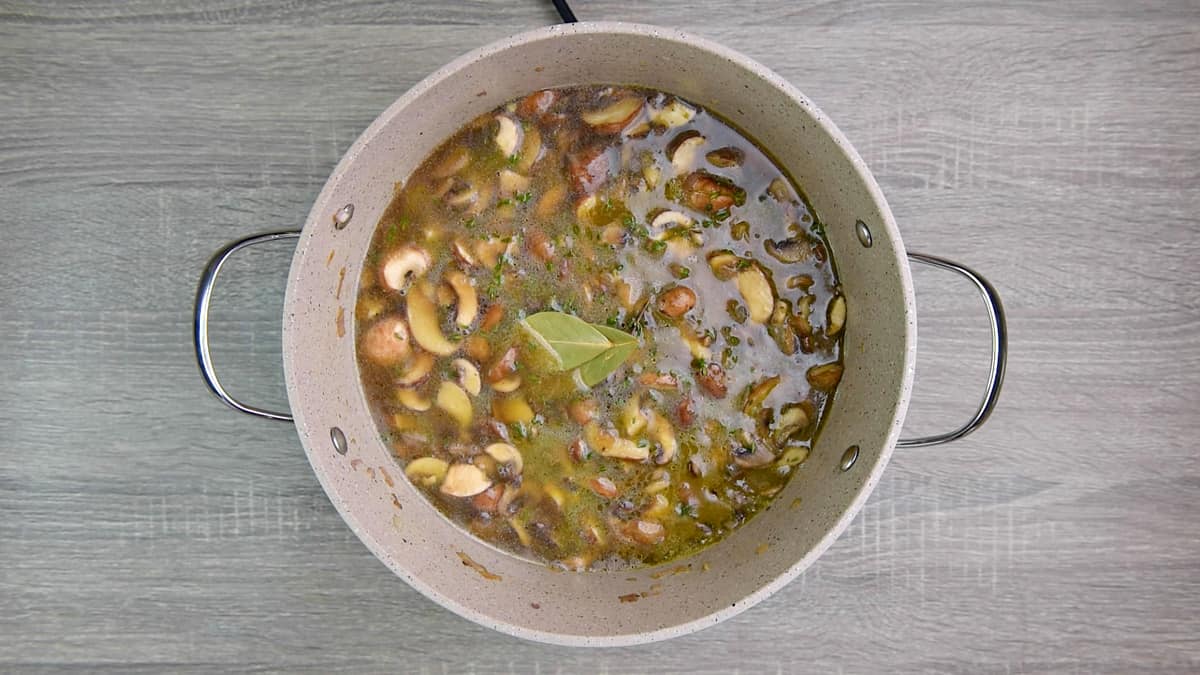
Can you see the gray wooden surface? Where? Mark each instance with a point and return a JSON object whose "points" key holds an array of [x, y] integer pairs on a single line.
{"points": [[1054, 146]]}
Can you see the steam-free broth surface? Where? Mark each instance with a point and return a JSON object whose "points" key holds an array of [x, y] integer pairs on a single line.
{"points": [[599, 327]]}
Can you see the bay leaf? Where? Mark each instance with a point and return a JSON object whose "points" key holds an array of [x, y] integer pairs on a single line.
{"points": [[571, 339], [598, 369]]}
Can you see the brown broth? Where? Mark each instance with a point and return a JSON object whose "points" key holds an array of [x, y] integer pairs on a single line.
{"points": [[597, 254]]}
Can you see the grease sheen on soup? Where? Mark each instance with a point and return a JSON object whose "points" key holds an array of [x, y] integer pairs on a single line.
{"points": [[677, 239]]}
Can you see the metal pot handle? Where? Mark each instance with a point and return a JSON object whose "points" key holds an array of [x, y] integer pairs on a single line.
{"points": [[204, 298], [999, 327]]}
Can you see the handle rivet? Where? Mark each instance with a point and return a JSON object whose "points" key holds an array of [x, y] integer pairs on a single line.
{"points": [[849, 457], [864, 234], [342, 218], [339, 440]]}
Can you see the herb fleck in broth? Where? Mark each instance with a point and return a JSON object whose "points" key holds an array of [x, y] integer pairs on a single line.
{"points": [[599, 327]]}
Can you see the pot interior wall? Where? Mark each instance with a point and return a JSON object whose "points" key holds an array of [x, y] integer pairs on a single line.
{"points": [[408, 534]]}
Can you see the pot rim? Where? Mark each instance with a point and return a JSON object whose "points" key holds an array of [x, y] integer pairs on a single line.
{"points": [[887, 222]]}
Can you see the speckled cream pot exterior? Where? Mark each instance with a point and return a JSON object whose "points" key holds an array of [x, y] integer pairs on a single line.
{"points": [[517, 596]]}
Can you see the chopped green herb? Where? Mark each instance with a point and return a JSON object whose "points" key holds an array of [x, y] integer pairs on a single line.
{"points": [[524, 197], [656, 247]]}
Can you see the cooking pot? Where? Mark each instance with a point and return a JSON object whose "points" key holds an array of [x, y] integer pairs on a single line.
{"points": [[526, 598]]}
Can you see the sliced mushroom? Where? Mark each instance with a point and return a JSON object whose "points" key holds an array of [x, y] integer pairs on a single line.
{"points": [[659, 381], [492, 317], [752, 456], [756, 289], [531, 150], [779, 190], [467, 305], [547, 205], [603, 487], [613, 118], [685, 152], [477, 347], [508, 136], [489, 250], [826, 376], [468, 376], [488, 501], [426, 471], [792, 419], [522, 533], [460, 251], [595, 533], [584, 209], [659, 508], [539, 244], [677, 301], [704, 191], [508, 384], [711, 378], [461, 194], [758, 393], [835, 316], [660, 479], [724, 264], [801, 281], [726, 157], [402, 266], [465, 480], [614, 446], [416, 370], [646, 532], [512, 410], [694, 342], [504, 453], [631, 419], [413, 400], [452, 399], [667, 220], [794, 454], [674, 114], [788, 250], [504, 366], [512, 182], [424, 325], [537, 103], [387, 342], [556, 494], [662, 431], [583, 411], [652, 174], [456, 160]]}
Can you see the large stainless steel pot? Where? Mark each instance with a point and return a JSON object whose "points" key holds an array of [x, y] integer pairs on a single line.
{"points": [[515, 595]]}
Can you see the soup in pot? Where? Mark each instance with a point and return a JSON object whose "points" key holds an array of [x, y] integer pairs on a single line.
{"points": [[599, 327]]}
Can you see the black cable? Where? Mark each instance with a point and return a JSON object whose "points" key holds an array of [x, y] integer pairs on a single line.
{"points": [[564, 10]]}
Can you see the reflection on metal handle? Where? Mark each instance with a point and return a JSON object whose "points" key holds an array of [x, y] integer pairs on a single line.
{"points": [[204, 298], [999, 353]]}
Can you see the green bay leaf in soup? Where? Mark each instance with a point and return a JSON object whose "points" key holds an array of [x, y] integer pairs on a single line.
{"points": [[598, 369], [571, 339]]}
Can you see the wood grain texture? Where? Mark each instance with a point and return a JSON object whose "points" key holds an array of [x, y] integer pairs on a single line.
{"points": [[1055, 147]]}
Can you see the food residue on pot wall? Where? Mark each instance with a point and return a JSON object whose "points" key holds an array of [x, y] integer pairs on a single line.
{"points": [[483, 571]]}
